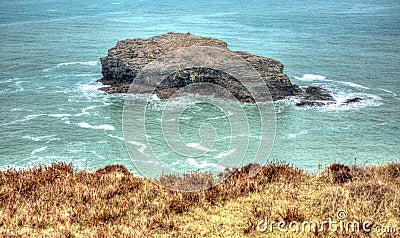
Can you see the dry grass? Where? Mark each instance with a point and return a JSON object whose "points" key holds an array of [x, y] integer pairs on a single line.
{"points": [[56, 201]]}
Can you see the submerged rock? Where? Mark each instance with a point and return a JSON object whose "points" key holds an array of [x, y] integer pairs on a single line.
{"points": [[125, 60], [315, 96], [353, 100]]}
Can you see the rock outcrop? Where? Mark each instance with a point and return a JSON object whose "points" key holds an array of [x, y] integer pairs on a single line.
{"points": [[315, 96], [125, 60]]}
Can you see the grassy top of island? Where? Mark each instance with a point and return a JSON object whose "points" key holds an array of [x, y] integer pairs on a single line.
{"points": [[58, 201]]}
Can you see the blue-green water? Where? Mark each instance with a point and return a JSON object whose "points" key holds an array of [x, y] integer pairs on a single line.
{"points": [[52, 111]]}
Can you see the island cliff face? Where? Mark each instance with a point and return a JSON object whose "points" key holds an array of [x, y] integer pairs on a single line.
{"points": [[125, 60]]}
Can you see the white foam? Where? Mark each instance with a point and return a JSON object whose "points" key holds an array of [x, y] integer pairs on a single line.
{"points": [[88, 63], [388, 91], [368, 100], [229, 138], [38, 150], [40, 138], [116, 137], [354, 85], [385, 90], [98, 155], [218, 118], [225, 154], [341, 95], [66, 121], [155, 97], [294, 135], [90, 87], [59, 115], [311, 77], [84, 111], [184, 118], [175, 163], [10, 80], [19, 87], [32, 138], [142, 146], [101, 127], [26, 118], [197, 146], [192, 162], [204, 164]]}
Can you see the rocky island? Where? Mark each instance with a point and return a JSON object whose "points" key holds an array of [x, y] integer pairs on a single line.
{"points": [[125, 60]]}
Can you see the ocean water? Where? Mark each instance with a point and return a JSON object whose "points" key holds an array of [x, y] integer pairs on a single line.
{"points": [[51, 108]]}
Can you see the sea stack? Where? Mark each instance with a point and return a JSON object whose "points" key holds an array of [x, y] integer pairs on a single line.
{"points": [[128, 57]]}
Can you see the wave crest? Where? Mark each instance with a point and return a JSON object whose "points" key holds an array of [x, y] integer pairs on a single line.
{"points": [[311, 77]]}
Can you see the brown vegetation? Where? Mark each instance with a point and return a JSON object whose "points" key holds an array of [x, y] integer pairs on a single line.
{"points": [[56, 201]]}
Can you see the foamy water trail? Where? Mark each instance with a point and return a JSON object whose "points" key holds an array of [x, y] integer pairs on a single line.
{"points": [[88, 63], [38, 150], [197, 146], [388, 91], [116, 137], [354, 85], [142, 146], [86, 109], [26, 118], [60, 115], [225, 154], [204, 164], [40, 138], [311, 77], [91, 88], [100, 127]]}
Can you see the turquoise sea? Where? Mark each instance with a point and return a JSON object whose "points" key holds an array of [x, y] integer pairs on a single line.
{"points": [[51, 108]]}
